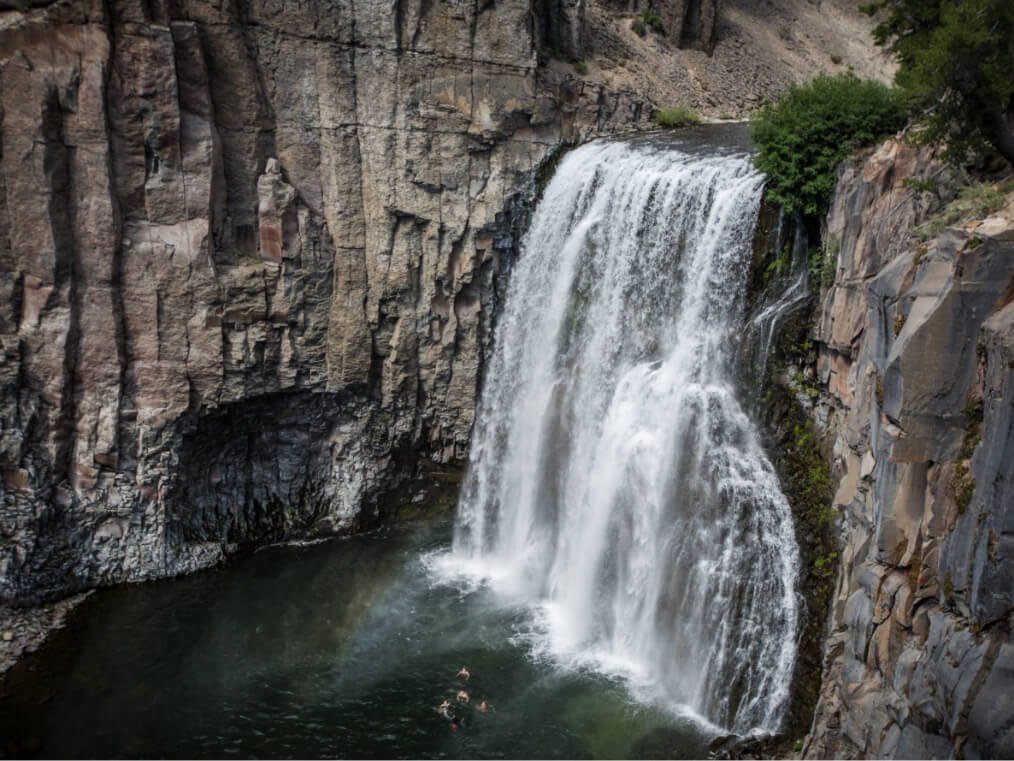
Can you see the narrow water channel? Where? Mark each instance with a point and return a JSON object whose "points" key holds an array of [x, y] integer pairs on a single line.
{"points": [[341, 649]]}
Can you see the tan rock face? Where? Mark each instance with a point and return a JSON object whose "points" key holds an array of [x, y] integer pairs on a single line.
{"points": [[249, 264], [919, 659]]}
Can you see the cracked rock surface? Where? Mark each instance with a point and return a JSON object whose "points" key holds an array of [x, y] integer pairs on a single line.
{"points": [[916, 355], [249, 265]]}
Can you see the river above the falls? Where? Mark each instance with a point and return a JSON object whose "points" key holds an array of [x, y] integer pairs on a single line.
{"points": [[339, 649]]}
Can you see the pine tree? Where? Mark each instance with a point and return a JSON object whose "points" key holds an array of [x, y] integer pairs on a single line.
{"points": [[957, 69]]}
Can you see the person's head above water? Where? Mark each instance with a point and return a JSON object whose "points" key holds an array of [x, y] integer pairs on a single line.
{"points": [[464, 673]]}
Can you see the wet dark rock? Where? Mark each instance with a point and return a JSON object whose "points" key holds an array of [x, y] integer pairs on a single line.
{"points": [[748, 746], [25, 629]]}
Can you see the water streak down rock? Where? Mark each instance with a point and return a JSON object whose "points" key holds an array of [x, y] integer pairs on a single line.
{"points": [[615, 480], [247, 264]]}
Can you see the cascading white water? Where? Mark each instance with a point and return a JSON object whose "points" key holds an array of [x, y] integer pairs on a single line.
{"points": [[615, 482], [794, 290]]}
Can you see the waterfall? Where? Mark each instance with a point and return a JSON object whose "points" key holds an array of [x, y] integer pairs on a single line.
{"points": [[615, 482], [793, 288]]}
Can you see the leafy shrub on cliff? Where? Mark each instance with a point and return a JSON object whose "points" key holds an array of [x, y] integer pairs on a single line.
{"points": [[653, 20], [679, 116], [802, 138]]}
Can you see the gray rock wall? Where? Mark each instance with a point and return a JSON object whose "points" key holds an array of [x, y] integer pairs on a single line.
{"points": [[248, 264], [916, 355]]}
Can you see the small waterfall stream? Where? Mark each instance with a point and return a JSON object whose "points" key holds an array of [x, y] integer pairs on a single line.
{"points": [[616, 485], [793, 286]]}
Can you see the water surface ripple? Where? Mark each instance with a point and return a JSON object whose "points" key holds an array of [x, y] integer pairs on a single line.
{"points": [[338, 650]]}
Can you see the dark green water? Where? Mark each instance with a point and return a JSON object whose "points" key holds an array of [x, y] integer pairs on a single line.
{"points": [[341, 649]]}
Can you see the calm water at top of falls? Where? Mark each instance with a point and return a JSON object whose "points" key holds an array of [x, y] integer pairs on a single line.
{"points": [[621, 580]]}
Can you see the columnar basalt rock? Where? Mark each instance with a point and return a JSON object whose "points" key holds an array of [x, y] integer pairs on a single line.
{"points": [[248, 265], [691, 23], [561, 23], [915, 353]]}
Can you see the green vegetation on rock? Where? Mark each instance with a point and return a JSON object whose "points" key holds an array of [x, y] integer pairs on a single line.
{"points": [[544, 172], [899, 323], [974, 201], [779, 263], [788, 392], [679, 116], [802, 138], [653, 20], [919, 254], [956, 69], [963, 482], [822, 262], [947, 588]]}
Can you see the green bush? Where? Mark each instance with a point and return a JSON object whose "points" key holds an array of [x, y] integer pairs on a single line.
{"points": [[653, 20], [638, 27], [802, 138], [581, 67], [680, 116]]}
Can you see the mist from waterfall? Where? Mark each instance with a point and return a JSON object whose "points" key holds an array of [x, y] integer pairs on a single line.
{"points": [[616, 485]]}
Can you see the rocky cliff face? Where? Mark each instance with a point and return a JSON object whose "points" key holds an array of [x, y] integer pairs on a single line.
{"points": [[916, 356], [248, 264]]}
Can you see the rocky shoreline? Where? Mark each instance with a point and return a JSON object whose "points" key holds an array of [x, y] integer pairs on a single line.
{"points": [[25, 630]]}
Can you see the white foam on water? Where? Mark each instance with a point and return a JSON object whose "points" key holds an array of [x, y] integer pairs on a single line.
{"points": [[615, 483]]}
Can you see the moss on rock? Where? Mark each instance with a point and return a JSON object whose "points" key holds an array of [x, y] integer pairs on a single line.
{"points": [[798, 455]]}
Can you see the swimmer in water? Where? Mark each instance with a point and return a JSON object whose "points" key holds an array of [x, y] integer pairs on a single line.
{"points": [[456, 723], [445, 709], [483, 706], [462, 696], [464, 674]]}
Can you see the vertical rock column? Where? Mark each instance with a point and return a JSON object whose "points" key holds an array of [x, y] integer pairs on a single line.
{"points": [[250, 260], [913, 355], [691, 23]]}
